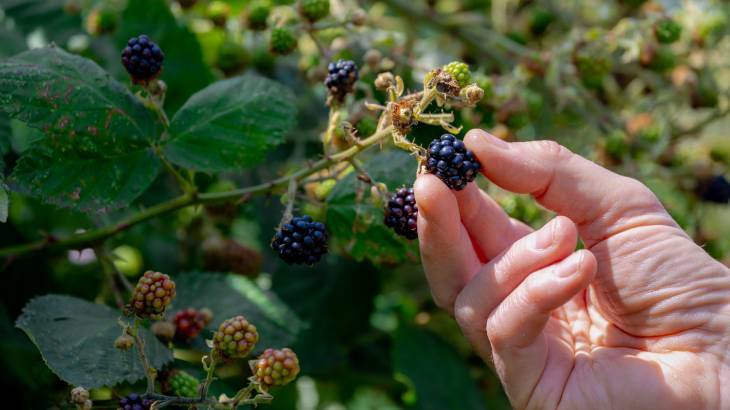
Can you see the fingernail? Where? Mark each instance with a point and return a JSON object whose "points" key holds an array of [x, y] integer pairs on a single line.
{"points": [[496, 141], [568, 267], [544, 237]]}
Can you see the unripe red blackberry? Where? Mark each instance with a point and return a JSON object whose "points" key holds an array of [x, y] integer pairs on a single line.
{"points": [[153, 293], [134, 402], [142, 59], [227, 255], [190, 322], [449, 160], [401, 213], [301, 241], [341, 78], [235, 338], [276, 367]]}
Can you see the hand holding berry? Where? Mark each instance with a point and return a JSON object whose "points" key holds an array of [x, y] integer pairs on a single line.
{"points": [[619, 324]]}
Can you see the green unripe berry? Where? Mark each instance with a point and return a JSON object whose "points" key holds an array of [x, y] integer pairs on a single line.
{"points": [[183, 384], [282, 41], [232, 57], [258, 15], [459, 71], [592, 66], [127, 260], [314, 10], [616, 144], [660, 58], [218, 12], [667, 31]]}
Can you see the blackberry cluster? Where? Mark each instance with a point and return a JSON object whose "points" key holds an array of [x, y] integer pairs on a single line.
{"points": [[341, 78], [142, 59], [235, 338], [301, 241], [314, 10], [459, 71], [401, 213], [183, 384], [190, 322], [276, 367], [449, 160], [282, 41], [667, 31], [717, 190], [134, 402], [153, 293]]}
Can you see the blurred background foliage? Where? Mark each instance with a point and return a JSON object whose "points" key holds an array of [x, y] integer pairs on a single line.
{"points": [[614, 81]]}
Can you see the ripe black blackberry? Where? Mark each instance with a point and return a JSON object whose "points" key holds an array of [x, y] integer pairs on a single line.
{"points": [[449, 160], [134, 402], [401, 213], [143, 59], [716, 189], [301, 241], [341, 78]]}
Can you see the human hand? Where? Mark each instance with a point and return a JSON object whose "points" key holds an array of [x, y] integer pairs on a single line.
{"points": [[640, 319]]}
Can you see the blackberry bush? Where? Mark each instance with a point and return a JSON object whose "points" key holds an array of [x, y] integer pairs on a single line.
{"points": [[449, 160], [401, 213], [341, 78], [153, 293], [142, 58], [300, 241], [276, 367], [235, 338]]}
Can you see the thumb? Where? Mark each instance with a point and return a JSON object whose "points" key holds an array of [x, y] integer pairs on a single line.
{"points": [[600, 202]]}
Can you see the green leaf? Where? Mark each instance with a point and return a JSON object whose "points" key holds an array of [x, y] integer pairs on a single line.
{"points": [[356, 224], [184, 71], [76, 339], [437, 374], [48, 15], [228, 295], [74, 102], [231, 124], [339, 290], [96, 153], [83, 181]]}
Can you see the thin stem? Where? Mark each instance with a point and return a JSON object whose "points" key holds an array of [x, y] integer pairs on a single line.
{"points": [[149, 371], [210, 369], [110, 271], [187, 199], [290, 199]]}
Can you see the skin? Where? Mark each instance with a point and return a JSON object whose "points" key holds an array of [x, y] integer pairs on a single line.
{"points": [[639, 319]]}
